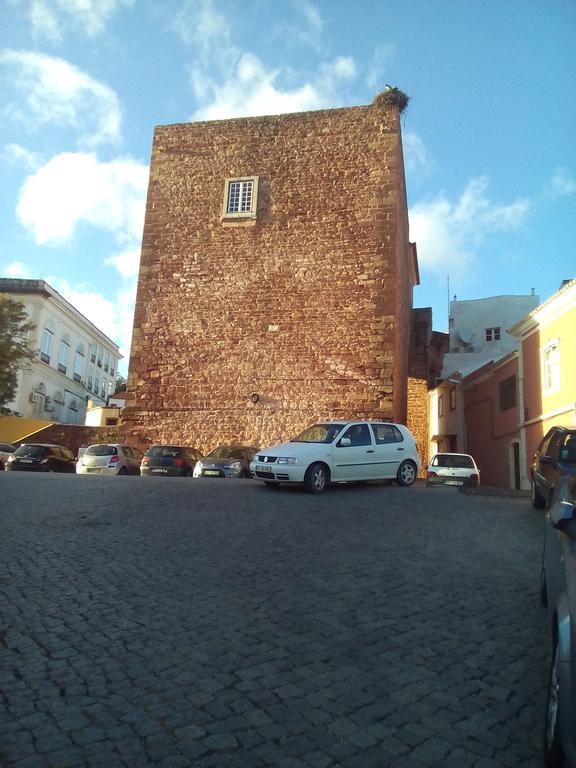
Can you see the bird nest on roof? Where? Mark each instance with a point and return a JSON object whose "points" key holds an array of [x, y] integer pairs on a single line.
{"points": [[392, 97]]}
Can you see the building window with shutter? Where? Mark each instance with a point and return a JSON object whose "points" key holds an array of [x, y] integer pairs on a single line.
{"points": [[551, 367]]}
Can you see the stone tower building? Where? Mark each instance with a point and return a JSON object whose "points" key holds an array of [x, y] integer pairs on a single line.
{"points": [[276, 278]]}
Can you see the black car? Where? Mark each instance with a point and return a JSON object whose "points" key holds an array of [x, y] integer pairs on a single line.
{"points": [[554, 458], [559, 595], [226, 461], [171, 460], [41, 457]]}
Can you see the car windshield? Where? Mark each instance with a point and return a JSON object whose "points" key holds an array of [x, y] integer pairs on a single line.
{"points": [[163, 450], [226, 452], [319, 433], [101, 450], [454, 461], [32, 451]]}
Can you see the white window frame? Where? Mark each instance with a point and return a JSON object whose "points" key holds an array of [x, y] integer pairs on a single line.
{"points": [[46, 346], [493, 334], [63, 354], [551, 367], [242, 210]]}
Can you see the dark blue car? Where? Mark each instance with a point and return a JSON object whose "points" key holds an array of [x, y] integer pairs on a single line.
{"points": [[559, 595], [555, 458]]}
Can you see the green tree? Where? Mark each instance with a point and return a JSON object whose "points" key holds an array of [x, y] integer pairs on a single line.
{"points": [[121, 383], [14, 350]]}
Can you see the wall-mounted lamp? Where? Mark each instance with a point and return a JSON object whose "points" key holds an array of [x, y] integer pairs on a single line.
{"points": [[255, 397]]}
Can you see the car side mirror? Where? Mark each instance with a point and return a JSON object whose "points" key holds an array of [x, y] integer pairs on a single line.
{"points": [[563, 517], [344, 442]]}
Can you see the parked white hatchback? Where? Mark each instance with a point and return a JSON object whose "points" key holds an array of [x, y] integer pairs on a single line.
{"points": [[339, 452], [109, 459]]}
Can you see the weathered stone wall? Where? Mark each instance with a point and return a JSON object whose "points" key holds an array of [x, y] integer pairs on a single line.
{"points": [[308, 306], [425, 357]]}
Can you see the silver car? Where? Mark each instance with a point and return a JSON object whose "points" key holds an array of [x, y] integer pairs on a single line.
{"points": [[558, 592], [452, 469], [6, 450], [109, 459]]}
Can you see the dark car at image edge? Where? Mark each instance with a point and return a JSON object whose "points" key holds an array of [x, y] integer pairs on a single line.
{"points": [[554, 459], [41, 457], [558, 592]]}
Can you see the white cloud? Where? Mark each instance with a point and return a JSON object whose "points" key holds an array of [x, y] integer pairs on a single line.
{"points": [[562, 184], [45, 90], [381, 58], [127, 262], [14, 154], [75, 187], [198, 23], [418, 161], [52, 18], [251, 89], [448, 235], [18, 270], [114, 317]]}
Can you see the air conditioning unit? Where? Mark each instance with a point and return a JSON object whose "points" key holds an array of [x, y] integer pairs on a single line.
{"points": [[33, 397], [48, 400]]}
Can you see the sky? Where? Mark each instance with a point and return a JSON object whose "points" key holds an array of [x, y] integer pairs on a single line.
{"points": [[489, 138]]}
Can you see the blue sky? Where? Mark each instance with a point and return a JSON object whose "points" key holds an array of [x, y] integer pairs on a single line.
{"points": [[488, 134]]}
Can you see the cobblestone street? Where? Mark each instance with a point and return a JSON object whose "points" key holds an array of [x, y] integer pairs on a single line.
{"points": [[180, 622]]}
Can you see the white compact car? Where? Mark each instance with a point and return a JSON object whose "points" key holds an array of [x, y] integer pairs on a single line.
{"points": [[452, 469], [341, 451], [109, 459]]}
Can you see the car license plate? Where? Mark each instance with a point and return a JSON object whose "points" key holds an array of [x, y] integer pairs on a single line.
{"points": [[264, 468], [159, 471], [26, 461], [453, 482], [211, 472]]}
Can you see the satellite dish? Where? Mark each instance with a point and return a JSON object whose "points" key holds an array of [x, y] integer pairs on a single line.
{"points": [[466, 334]]}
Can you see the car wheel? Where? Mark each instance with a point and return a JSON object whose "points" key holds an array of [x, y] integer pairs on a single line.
{"points": [[123, 471], [271, 483], [316, 478], [536, 497], [553, 753], [188, 473], [406, 474]]}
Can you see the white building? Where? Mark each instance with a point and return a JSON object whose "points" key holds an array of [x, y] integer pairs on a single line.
{"points": [[479, 335], [74, 360], [478, 330]]}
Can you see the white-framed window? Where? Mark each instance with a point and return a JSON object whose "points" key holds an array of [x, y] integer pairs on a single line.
{"points": [[46, 345], [79, 363], [241, 197], [96, 384], [63, 353], [492, 334], [551, 367], [99, 357], [106, 361], [92, 353]]}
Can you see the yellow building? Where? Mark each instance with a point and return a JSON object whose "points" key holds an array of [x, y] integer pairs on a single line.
{"points": [[547, 370]]}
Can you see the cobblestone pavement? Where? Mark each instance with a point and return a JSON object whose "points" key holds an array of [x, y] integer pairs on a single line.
{"points": [[179, 622]]}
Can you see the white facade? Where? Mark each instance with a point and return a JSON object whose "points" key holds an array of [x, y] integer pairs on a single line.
{"points": [[74, 361], [478, 330]]}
